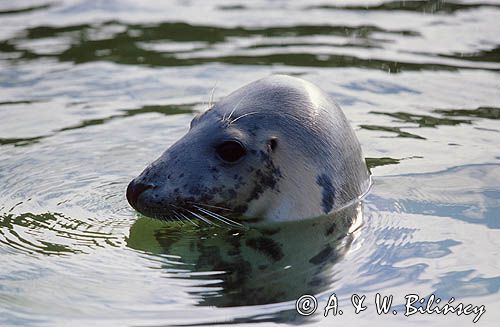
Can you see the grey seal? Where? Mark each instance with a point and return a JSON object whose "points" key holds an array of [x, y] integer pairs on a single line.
{"points": [[277, 149]]}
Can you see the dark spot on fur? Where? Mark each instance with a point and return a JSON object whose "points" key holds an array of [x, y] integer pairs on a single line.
{"points": [[269, 231], [315, 282], [233, 252], [253, 220], [265, 178], [266, 246], [231, 193], [237, 272], [195, 190], [331, 229], [322, 256], [241, 208], [269, 179], [328, 192], [256, 192]]}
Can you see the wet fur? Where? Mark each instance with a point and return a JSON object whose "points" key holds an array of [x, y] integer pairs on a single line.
{"points": [[314, 165]]}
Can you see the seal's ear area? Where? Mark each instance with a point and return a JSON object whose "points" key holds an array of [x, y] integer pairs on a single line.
{"points": [[273, 143]]}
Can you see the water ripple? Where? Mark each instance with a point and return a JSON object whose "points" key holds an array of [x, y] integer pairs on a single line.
{"points": [[51, 234]]}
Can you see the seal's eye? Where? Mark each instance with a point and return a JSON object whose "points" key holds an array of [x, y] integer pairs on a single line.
{"points": [[230, 151]]}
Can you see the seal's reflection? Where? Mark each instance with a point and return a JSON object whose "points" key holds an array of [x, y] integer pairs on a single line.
{"points": [[264, 264]]}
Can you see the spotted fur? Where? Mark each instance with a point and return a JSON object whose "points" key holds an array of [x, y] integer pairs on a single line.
{"points": [[301, 159]]}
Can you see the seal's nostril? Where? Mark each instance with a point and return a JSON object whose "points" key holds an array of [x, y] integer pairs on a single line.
{"points": [[134, 190]]}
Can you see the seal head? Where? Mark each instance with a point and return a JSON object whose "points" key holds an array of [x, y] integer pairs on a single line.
{"points": [[279, 149]]}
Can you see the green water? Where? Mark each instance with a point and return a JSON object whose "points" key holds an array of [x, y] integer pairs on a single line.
{"points": [[92, 91]]}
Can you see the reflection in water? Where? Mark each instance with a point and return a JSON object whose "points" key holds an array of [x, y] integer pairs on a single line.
{"points": [[375, 162], [51, 234], [424, 6], [183, 44], [164, 110], [267, 264], [397, 130], [423, 120], [23, 10], [136, 44], [484, 56], [432, 121], [19, 141], [161, 109], [481, 112]]}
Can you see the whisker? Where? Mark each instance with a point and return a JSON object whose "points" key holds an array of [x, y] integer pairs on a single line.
{"points": [[234, 109], [213, 216], [177, 220], [208, 205], [177, 216], [223, 219], [202, 218], [187, 218], [180, 220], [159, 216], [244, 115], [180, 213], [210, 101], [174, 214]]}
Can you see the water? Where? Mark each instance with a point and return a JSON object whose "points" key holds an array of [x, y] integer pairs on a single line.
{"points": [[91, 91]]}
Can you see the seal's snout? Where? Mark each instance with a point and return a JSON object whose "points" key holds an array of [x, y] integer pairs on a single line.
{"points": [[134, 190]]}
